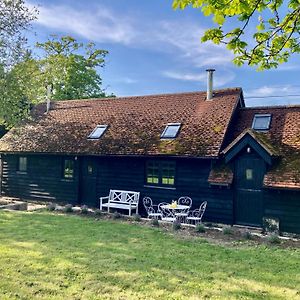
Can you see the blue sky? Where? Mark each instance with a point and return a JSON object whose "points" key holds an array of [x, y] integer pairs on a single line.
{"points": [[154, 49]]}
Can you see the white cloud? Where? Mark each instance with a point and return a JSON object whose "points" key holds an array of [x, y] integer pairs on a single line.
{"points": [[273, 90], [101, 24], [220, 79], [98, 24], [273, 95]]}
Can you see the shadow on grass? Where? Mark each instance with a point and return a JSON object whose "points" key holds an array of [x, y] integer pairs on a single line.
{"points": [[56, 256]]}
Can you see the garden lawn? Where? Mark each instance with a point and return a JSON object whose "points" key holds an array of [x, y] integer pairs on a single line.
{"points": [[50, 256]]}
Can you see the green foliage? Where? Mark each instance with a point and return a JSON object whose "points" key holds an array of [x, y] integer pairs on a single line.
{"points": [[274, 239], [84, 210], [98, 212], [15, 18], [68, 67], [51, 206], [14, 104], [116, 215], [154, 222], [227, 231], [200, 228], [68, 208], [247, 235], [277, 28], [176, 225], [136, 217]]}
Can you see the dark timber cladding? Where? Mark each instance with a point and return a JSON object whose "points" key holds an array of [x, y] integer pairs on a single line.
{"points": [[44, 181], [245, 162]]}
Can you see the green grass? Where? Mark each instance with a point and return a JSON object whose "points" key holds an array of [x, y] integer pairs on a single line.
{"points": [[49, 256]]}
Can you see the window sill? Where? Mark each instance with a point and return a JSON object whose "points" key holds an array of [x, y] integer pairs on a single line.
{"points": [[160, 187], [22, 172], [67, 179]]}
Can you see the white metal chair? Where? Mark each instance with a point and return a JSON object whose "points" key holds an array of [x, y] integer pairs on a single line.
{"points": [[149, 207], [196, 215], [167, 214], [183, 214]]}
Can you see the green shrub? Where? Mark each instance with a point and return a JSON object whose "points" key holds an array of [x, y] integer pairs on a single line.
{"points": [[176, 225], [84, 209], [154, 222], [136, 217], [51, 206], [116, 215], [274, 239], [200, 228], [68, 208], [247, 235], [98, 212], [227, 230]]}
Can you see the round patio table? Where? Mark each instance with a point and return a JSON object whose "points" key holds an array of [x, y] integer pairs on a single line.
{"points": [[176, 208], [176, 211]]}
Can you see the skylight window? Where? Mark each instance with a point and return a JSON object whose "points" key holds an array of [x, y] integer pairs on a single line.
{"points": [[98, 132], [171, 131], [261, 122]]}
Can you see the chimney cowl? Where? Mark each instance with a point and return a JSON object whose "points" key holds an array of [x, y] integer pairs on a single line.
{"points": [[210, 73]]}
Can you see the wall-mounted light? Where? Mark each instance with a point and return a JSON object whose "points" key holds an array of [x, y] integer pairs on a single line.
{"points": [[248, 150]]}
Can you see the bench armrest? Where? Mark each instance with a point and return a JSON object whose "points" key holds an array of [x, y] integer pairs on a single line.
{"points": [[101, 200]]}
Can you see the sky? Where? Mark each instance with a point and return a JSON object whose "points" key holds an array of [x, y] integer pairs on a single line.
{"points": [[156, 50]]}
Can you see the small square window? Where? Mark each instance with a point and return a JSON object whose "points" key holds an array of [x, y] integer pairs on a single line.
{"points": [[22, 167], [171, 131], [261, 122], [97, 132], [160, 173], [68, 171], [249, 174]]}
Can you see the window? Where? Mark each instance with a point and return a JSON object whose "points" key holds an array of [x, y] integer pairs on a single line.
{"points": [[160, 173], [68, 171], [22, 164], [261, 122], [97, 132], [171, 131], [249, 174]]}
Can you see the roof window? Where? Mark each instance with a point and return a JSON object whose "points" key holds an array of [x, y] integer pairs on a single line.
{"points": [[97, 132], [171, 131], [261, 122]]}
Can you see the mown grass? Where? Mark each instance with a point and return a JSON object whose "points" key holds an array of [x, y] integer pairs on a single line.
{"points": [[49, 256]]}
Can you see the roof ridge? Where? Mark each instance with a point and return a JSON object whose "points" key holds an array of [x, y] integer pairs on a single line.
{"points": [[271, 107], [146, 96]]}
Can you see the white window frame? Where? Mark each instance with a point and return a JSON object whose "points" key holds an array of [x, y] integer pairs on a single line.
{"points": [[90, 137], [257, 116], [166, 128]]}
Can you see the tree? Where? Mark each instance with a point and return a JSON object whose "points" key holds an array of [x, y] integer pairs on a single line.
{"points": [[70, 68], [275, 39], [15, 17]]}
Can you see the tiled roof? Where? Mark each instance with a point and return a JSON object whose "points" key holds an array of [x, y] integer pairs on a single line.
{"points": [[220, 174], [135, 125], [283, 136], [262, 139]]}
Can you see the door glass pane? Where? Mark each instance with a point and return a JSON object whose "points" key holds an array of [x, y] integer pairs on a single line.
{"points": [[249, 174], [90, 169]]}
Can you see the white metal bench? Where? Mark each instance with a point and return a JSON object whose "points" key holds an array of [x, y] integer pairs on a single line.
{"points": [[121, 199]]}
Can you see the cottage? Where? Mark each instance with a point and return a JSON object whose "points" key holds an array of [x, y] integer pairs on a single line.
{"points": [[243, 161]]}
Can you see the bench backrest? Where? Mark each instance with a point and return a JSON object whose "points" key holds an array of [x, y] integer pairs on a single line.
{"points": [[124, 196]]}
